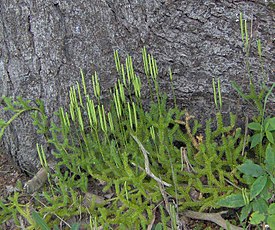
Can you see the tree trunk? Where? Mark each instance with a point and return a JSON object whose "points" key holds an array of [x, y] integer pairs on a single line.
{"points": [[45, 42]]}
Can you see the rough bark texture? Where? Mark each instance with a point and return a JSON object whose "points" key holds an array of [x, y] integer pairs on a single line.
{"points": [[45, 42]]}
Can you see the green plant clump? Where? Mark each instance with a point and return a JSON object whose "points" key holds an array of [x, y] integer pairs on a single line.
{"points": [[256, 199], [117, 165], [131, 153]]}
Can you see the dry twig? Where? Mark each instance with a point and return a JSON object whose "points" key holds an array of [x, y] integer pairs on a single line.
{"points": [[189, 167], [168, 206], [213, 217], [147, 165], [188, 129], [150, 226]]}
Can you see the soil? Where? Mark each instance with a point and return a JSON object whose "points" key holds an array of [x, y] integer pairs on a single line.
{"points": [[10, 175]]}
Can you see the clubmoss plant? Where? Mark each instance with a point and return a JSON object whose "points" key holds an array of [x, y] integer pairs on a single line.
{"points": [[118, 164], [20, 106], [217, 94]]}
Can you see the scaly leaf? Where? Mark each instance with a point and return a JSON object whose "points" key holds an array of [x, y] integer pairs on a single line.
{"points": [[2, 123]]}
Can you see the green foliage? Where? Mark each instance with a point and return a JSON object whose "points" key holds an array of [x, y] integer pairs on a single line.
{"points": [[260, 95], [139, 157], [39, 220], [232, 201], [43, 225], [18, 107], [217, 95], [261, 130], [131, 151], [264, 128], [271, 216], [261, 182], [257, 175]]}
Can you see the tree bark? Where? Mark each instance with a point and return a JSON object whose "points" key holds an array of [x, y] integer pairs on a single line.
{"points": [[45, 42]]}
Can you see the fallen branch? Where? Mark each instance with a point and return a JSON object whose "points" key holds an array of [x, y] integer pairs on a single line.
{"points": [[39, 179], [213, 217]]}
